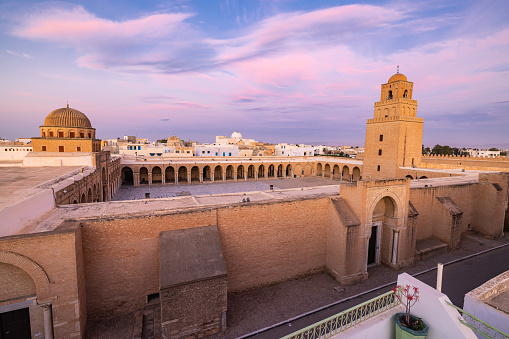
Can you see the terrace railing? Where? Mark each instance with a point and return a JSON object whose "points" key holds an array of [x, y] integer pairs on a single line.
{"points": [[479, 326], [347, 319]]}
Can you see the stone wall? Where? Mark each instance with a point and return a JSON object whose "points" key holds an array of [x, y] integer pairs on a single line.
{"points": [[52, 263], [263, 244]]}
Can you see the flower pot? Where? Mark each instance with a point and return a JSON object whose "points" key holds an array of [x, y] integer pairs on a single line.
{"points": [[403, 332]]}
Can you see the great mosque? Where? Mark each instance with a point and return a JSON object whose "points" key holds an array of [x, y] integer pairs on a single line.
{"points": [[70, 256]]}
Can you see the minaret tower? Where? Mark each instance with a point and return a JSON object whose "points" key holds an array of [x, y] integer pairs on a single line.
{"points": [[394, 135]]}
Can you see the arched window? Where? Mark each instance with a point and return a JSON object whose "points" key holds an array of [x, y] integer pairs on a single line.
{"points": [[405, 94], [389, 97]]}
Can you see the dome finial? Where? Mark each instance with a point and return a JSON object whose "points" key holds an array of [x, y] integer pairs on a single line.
{"points": [[397, 70], [67, 103]]}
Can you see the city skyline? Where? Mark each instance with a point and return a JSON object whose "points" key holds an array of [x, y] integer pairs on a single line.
{"points": [[285, 71]]}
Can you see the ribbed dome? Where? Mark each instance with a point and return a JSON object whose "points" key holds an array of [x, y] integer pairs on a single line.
{"points": [[397, 77], [67, 117]]}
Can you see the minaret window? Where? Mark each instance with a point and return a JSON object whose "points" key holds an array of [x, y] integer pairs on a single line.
{"points": [[379, 152], [378, 168], [381, 137], [389, 97], [405, 94]]}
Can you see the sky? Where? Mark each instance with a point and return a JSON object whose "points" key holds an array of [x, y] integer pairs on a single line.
{"points": [[276, 71]]}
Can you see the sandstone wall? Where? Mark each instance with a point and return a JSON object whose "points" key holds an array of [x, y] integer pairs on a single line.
{"points": [[262, 244]]}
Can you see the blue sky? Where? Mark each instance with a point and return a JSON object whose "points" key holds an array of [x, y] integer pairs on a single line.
{"points": [[277, 71]]}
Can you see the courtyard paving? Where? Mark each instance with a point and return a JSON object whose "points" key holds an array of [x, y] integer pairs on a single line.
{"points": [[211, 188]]}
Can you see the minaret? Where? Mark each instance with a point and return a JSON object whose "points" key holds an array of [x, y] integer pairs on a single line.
{"points": [[394, 135]]}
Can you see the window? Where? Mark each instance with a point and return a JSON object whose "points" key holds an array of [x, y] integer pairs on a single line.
{"points": [[379, 152], [381, 137], [378, 168], [72, 135], [60, 148], [43, 134], [89, 135], [224, 154], [216, 154], [60, 134], [51, 134], [82, 135], [78, 149], [229, 154], [43, 148]]}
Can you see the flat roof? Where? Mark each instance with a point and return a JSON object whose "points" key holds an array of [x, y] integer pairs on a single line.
{"points": [[190, 255], [17, 182], [161, 206]]}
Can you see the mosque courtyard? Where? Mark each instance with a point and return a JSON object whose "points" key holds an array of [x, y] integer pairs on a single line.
{"points": [[127, 192]]}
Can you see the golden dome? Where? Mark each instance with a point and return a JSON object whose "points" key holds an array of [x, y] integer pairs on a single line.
{"points": [[398, 77], [173, 138], [67, 117]]}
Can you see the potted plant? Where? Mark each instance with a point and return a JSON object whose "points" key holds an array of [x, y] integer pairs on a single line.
{"points": [[407, 325]]}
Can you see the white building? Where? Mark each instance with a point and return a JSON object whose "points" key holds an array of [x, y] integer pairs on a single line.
{"points": [[14, 150], [217, 150], [290, 150]]}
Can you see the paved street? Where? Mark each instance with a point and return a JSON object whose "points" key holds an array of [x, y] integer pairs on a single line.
{"points": [[458, 279]]}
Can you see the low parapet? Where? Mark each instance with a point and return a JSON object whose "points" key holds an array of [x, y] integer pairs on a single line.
{"points": [[465, 157]]}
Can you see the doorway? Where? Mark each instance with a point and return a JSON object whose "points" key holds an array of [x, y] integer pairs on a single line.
{"points": [[374, 244], [15, 324]]}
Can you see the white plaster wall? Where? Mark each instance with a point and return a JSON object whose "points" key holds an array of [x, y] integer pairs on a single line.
{"points": [[18, 154], [441, 318], [58, 160], [380, 327], [474, 303], [15, 217]]}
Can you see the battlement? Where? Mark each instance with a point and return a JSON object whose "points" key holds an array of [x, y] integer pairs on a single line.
{"points": [[395, 118], [395, 101]]}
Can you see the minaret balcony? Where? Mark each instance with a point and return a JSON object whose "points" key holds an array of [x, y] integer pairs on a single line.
{"points": [[396, 101]]}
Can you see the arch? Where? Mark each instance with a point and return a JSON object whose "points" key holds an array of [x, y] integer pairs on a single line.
{"points": [[72, 134], [409, 177], [169, 175], [336, 173], [127, 176], [250, 172], [308, 170], [319, 171], [83, 199], [33, 269], [261, 171], [195, 174], [182, 174], [383, 213], [240, 172], [405, 94], [345, 173], [75, 201], [206, 173], [270, 171], [386, 112], [143, 175], [94, 193], [280, 171], [326, 172], [218, 173], [298, 170], [157, 176], [104, 178], [89, 196], [289, 171], [356, 174], [229, 172], [423, 177]]}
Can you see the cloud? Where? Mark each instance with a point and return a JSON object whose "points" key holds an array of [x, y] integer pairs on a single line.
{"points": [[159, 41], [23, 55]]}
